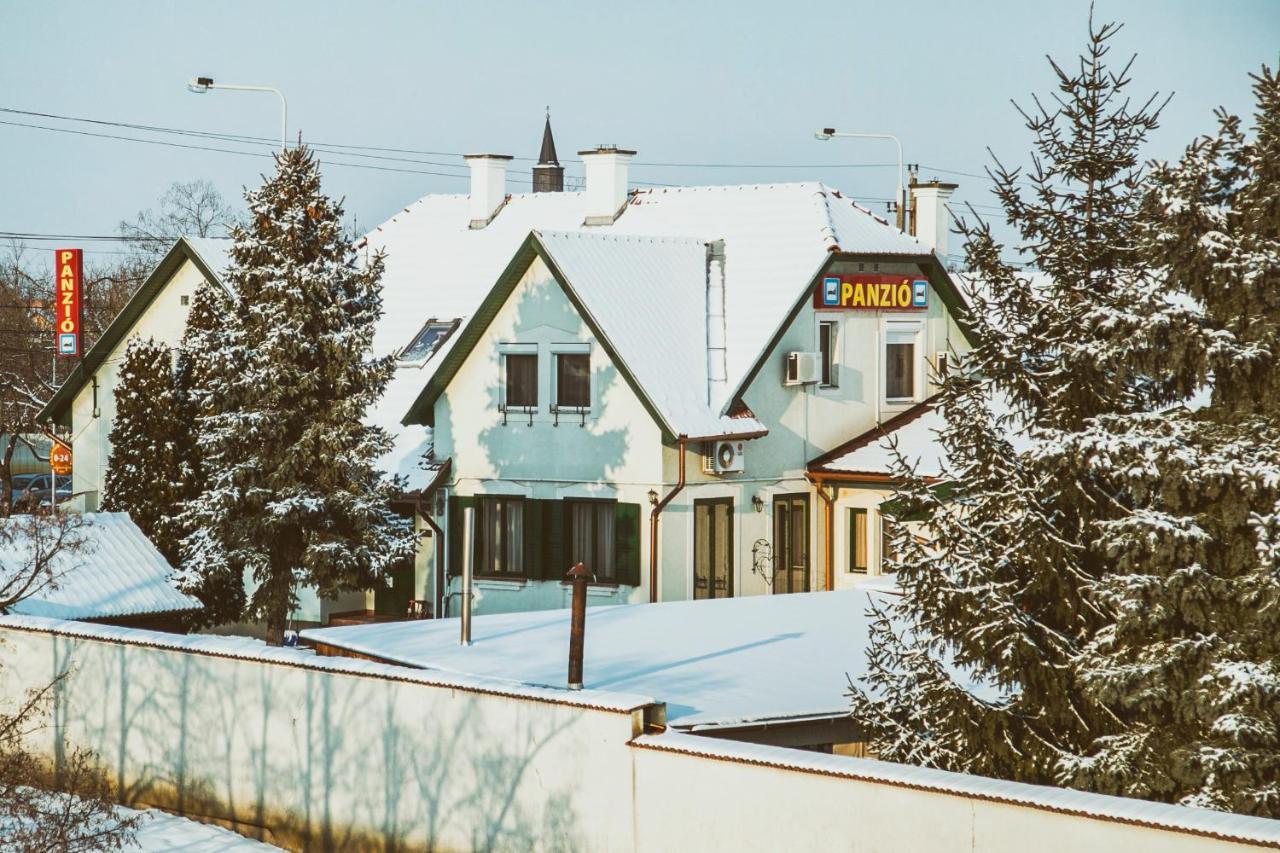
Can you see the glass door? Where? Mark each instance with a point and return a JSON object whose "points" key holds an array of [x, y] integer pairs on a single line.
{"points": [[791, 543], [713, 548]]}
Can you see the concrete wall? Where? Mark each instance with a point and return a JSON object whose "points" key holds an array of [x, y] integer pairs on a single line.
{"points": [[335, 753]]}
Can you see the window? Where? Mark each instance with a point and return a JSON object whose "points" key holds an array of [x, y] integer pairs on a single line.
{"points": [[830, 355], [591, 537], [184, 299], [573, 381], [900, 361], [499, 536], [520, 388], [427, 341], [858, 541]]}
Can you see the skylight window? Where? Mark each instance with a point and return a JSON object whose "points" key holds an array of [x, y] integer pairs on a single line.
{"points": [[427, 341]]}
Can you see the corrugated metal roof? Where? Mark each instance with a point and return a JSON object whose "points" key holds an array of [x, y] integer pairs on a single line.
{"points": [[117, 573], [647, 296]]}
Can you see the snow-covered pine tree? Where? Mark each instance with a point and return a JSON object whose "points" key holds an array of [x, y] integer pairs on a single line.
{"points": [[148, 473], [1191, 666], [971, 668], [291, 495]]}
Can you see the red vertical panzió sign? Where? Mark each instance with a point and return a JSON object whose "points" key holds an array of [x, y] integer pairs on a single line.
{"points": [[68, 267]]}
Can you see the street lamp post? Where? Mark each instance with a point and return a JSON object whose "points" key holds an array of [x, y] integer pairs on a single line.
{"points": [[831, 133], [200, 85]]}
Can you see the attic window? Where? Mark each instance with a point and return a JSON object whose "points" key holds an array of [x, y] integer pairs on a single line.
{"points": [[427, 341]]}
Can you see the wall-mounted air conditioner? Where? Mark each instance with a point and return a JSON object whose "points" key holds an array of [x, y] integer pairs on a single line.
{"points": [[724, 457], [803, 368]]}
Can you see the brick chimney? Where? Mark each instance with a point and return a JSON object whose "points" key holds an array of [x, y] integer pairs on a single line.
{"points": [[488, 186], [606, 174]]}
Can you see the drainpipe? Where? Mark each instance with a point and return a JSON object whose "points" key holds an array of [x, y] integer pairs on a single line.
{"points": [[828, 528], [437, 606], [653, 523], [465, 620]]}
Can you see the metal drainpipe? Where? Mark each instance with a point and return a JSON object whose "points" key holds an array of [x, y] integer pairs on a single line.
{"points": [[437, 606], [465, 620], [653, 524], [828, 533]]}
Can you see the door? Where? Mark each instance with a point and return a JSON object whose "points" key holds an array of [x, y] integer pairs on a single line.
{"points": [[713, 548], [791, 543]]}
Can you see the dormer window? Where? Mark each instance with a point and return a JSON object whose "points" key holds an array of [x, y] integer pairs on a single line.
{"points": [[426, 342]]}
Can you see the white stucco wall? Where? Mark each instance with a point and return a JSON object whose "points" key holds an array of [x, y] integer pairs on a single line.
{"points": [[165, 319], [616, 455], [329, 753]]}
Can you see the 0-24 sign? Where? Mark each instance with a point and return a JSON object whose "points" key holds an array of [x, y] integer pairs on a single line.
{"points": [[68, 265]]}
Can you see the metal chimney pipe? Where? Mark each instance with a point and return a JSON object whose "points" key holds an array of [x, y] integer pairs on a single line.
{"points": [[579, 575], [468, 520]]}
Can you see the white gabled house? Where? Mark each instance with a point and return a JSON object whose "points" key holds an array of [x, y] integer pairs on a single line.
{"points": [[592, 372]]}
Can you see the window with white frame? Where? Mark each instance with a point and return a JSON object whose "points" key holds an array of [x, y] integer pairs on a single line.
{"points": [[571, 377], [519, 377], [902, 349]]}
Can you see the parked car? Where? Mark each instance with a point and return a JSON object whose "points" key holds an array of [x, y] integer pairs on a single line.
{"points": [[33, 489]]}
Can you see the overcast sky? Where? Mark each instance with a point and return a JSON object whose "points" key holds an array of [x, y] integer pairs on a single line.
{"points": [[681, 82]]}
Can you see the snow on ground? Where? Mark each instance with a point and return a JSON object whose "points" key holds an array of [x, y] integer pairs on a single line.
{"points": [[727, 661], [161, 832]]}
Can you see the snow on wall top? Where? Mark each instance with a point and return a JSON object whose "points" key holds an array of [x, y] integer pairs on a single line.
{"points": [[619, 279], [247, 648], [722, 662], [118, 573], [1235, 827]]}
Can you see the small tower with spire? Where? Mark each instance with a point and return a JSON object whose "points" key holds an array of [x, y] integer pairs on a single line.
{"points": [[548, 175]]}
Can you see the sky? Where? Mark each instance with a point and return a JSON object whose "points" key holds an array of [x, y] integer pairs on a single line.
{"points": [[706, 93]]}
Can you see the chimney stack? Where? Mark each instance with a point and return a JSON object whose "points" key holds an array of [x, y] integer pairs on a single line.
{"points": [[930, 216], [488, 186], [717, 349], [606, 174]]}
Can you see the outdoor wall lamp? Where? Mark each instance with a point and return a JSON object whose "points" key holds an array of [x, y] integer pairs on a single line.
{"points": [[440, 502], [758, 503], [653, 498]]}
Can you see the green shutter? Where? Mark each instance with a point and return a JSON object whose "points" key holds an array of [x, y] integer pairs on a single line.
{"points": [[533, 556], [455, 543], [626, 531], [553, 565]]}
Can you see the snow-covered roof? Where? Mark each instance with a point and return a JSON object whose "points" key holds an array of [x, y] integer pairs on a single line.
{"points": [[915, 432], [214, 251], [723, 662], [776, 237], [618, 279], [117, 573]]}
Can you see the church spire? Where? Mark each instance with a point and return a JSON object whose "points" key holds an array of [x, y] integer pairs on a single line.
{"points": [[548, 175]]}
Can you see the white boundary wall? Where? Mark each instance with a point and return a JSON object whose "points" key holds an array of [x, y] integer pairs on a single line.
{"points": [[341, 753]]}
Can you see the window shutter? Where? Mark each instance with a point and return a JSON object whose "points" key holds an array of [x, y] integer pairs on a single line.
{"points": [[454, 541], [626, 531], [534, 556], [553, 565]]}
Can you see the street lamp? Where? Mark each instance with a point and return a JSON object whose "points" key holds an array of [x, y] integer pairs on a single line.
{"points": [[828, 133], [200, 85]]}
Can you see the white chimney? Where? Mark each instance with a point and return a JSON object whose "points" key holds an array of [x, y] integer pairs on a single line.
{"points": [[930, 214], [488, 186], [717, 349], [606, 174]]}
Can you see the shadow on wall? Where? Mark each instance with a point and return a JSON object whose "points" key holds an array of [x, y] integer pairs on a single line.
{"points": [[308, 759]]}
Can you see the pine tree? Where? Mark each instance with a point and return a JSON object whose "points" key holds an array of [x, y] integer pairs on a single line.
{"points": [[1191, 665], [971, 668], [148, 474], [291, 497]]}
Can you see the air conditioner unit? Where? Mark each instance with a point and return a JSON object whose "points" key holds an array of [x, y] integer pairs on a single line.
{"points": [[803, 368], [724, 457]]}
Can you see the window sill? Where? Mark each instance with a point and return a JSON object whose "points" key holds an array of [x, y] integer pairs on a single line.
{"points": [[599, 587], [500, 583]]}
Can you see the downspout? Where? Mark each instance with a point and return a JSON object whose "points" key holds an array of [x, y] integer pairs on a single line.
{"points": [[653, 524], [828, 528], [437, 606]]}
